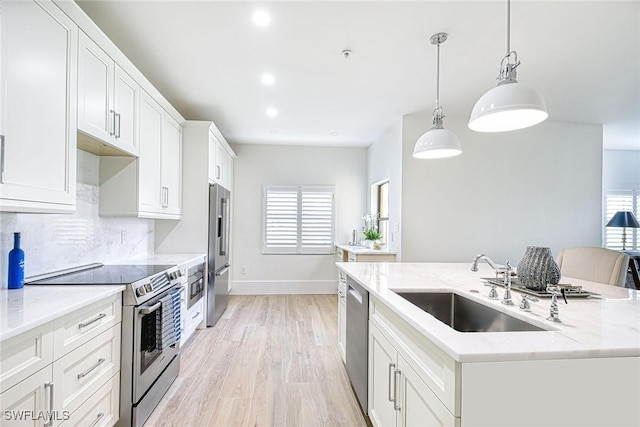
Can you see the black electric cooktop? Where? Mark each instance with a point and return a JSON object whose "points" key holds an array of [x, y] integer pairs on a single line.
{"points": [[104, 275]]}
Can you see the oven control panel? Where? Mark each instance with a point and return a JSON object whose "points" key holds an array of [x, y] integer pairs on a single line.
{"points": [[145, 289]]}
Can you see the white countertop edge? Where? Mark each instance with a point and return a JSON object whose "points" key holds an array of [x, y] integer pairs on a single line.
{"points": [[60, 309], [469, 347], [363, 250]]}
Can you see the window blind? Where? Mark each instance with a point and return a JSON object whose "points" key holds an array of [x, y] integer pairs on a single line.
{"points": [[299, 219], [621, 200]]}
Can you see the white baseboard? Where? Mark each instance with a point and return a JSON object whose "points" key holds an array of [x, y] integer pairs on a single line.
{"points": [[279, 287]]}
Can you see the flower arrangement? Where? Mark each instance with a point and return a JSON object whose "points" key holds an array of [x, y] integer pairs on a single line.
{"points": [[371, 224]]}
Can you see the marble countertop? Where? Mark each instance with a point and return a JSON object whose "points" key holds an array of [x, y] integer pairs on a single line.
{"points": [[604, 326], [362, 250], [32, 306]]}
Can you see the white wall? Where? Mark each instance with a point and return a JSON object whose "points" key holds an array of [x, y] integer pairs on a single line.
{"points": [[621, 170], [385, 162], [56, 241], [537, 186], [346, 168]]}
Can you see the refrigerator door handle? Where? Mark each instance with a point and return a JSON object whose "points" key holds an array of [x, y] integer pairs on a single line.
{"points": [[224, 243], [223, 270]]}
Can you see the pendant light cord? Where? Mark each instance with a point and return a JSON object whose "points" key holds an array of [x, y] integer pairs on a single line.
{"points": [[438, 78], [508, 26]]}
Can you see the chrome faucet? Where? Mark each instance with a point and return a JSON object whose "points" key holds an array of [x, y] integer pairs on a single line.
{"points": [[499, 268], [496, 267]]}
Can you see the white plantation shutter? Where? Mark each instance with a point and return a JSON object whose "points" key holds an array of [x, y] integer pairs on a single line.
{"points": [[299, 219], [622, 200], [281, 220]]}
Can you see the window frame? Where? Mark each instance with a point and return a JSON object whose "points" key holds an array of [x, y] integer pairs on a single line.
{"points": [[300, 248]]}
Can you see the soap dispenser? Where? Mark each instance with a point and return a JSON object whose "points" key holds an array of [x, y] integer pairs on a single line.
{"points": [[16, 264]]}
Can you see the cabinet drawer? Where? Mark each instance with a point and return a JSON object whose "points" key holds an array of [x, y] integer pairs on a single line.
{"points": [[340, 255], [353, 257], [102, 409], [25, 354], [438, 370], [77, 328], [193, 317], [83, 371]]}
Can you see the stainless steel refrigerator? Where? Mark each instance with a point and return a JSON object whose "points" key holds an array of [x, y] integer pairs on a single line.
{"points": [[218, 256]]}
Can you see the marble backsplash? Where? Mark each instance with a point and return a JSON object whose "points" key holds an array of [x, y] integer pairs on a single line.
{"points": [[56, 241]]}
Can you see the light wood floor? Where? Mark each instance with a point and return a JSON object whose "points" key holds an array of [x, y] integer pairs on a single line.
{"points": [[269, 361]]}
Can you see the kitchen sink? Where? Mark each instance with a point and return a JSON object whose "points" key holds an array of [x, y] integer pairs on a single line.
{"points": [[465, 315]]}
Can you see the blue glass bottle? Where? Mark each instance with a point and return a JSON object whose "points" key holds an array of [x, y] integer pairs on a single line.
{"points": [[16, 264]]}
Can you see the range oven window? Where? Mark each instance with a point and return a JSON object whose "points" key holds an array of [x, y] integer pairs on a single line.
{"points": [[148, 345]]}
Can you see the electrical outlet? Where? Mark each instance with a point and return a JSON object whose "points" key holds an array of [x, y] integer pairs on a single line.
{"points": [[243, 270]]}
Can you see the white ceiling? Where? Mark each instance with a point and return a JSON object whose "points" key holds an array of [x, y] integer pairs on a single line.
{"points": [[206, 57]]}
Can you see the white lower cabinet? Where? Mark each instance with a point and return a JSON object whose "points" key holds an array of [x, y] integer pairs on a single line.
{"points": [[411, 383], [193, 317], [101, 409], [22, 403], [75, 385]]}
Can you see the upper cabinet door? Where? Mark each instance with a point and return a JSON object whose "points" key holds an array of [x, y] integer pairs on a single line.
{"points": [[125, 103], [172, 165], [38, 114], [95, 80], [107, 101], [151, 195]]}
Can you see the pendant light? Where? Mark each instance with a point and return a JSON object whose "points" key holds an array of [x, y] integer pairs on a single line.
{"points": [[437, 142], [510, 105]]}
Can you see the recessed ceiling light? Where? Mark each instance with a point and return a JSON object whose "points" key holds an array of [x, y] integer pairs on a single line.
{"points": [[273, 131], [268, 79], [334, 133], [261, 18], [272, 112]]}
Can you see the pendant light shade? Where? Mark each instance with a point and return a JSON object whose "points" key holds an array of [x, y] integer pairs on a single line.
{"points": [[511, 105], [437, 142]]}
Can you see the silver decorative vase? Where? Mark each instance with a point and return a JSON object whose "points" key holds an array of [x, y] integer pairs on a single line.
{"points": [[537, 269]]}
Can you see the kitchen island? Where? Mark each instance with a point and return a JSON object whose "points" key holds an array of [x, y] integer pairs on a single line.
{"points": [[582, 371]]}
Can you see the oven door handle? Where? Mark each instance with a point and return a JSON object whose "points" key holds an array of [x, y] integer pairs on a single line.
{"points": [[149, 310]]}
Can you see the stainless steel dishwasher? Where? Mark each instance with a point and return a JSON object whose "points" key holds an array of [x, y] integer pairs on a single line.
{"points": [[357, 349]]}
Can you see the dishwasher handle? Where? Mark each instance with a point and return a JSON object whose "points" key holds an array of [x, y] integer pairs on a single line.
{"points": [[355, 294]]}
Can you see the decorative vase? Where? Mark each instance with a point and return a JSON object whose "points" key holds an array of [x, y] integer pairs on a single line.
{"points": [[367, 243], [537, 269]]}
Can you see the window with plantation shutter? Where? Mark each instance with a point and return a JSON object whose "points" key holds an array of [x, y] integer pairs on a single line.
{"points": [[621, 200], [298, 219]]}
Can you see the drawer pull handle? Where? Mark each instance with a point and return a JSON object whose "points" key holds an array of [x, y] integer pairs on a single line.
{"points": [[392, 369], [85, 324], [49, 386], [95, 423], [195, 315], [396, 382], [88, 371]]}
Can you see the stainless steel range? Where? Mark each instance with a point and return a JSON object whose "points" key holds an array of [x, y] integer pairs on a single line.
{"points": [[150, 354]]}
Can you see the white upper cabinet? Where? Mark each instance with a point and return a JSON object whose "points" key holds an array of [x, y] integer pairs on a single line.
{"points": [[38, 108], [107, 99], [171, 166], [220, 163], [149, 163], [151, 185]]}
